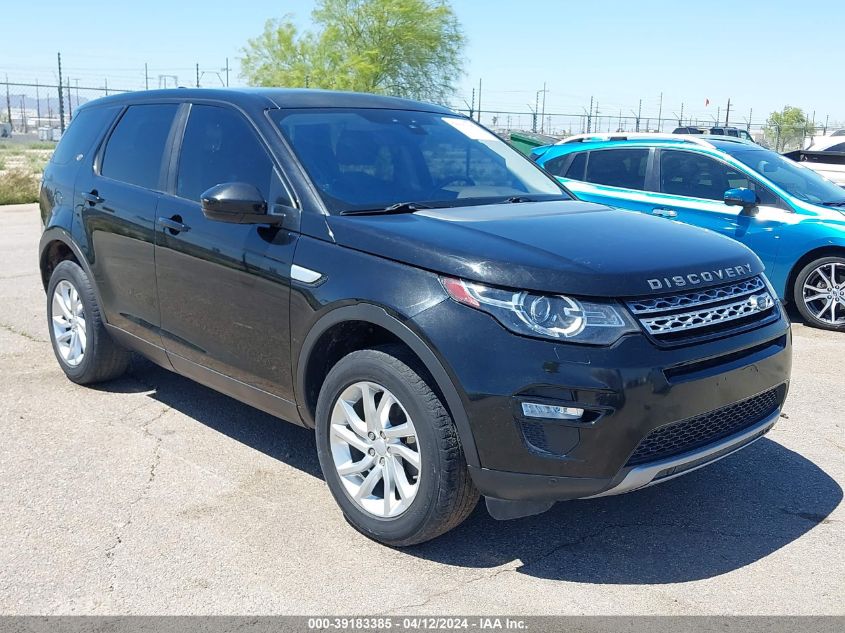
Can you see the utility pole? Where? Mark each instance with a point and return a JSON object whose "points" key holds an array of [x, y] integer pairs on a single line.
{"points": [[598, 120], [536, 108], [728, 112], [37, 104], [639, 114], [479, 99], [718, 114], [826, 118], [8, 103], [77, 93], [619, 125], [107, 86], [227, 72], [681, 122], [146, 77], [472, 105], [543, 115], [61, 98], [69, 101], [750, 117], [590, 115], [660, 113], [23, 114], [198, 75]]}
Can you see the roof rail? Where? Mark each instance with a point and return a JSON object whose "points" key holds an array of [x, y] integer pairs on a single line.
{"points": [[704, 140], [637, 136]]}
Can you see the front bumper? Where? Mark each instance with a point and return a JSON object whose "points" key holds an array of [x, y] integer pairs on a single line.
{"points": [[630, 389]]}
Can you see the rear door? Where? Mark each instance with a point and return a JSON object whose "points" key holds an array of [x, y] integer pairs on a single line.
{"points": [[224, 288], [117, 199], [690, 188], [616, 177]]}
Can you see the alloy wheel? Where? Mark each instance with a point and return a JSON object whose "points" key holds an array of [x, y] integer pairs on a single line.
{"points": [[824, 293], [375, 449], [69, 329]]}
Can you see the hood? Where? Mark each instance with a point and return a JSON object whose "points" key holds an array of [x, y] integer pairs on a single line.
{"points": [[559, 247]]}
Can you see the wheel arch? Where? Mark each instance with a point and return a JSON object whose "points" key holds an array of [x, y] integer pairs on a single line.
{"points": [[363, 326], [57, 245], [828, 250]]}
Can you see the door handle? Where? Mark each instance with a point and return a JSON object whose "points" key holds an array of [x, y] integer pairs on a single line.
{"points": [[665, 213], [92, 198], [174, 224]]}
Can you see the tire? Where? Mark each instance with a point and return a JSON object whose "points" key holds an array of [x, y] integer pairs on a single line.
{"points": [[439, 494], [819, 293], [101, 359]]}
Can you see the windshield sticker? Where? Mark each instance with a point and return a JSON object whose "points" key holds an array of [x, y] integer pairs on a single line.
{"points": [[469, 129]]}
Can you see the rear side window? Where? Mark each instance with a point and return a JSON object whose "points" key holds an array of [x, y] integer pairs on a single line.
{"points": [[220, 146], [577, 167], [136, 147], [836, 148], [618, 168], [555, 165], [86, 126]]}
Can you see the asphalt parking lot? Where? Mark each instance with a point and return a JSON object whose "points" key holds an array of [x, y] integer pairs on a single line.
{"points": [[154, 495]]}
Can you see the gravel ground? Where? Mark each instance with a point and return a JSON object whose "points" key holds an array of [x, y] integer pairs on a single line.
{"points": [[154, 495]]}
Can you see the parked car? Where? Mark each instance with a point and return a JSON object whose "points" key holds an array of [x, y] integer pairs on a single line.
{"points": [[439, 309], [825, 155], [790, 216], [716, 131]]}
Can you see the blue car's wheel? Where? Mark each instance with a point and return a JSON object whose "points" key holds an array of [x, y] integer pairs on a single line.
{"points": [[819, 293]]}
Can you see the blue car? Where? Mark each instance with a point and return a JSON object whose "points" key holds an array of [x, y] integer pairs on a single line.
{"points": [[790, 216]]}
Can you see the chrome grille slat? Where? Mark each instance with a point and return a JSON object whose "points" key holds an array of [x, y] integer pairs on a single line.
{"points": [[708, 316], [696, 298], [705, 313]]}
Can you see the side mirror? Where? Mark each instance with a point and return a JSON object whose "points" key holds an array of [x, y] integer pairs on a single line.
{"points": [[745, 198], [238, 203]]}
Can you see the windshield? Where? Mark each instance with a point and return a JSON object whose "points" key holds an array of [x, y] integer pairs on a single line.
{"points": [[798, 181], [369, 159]]}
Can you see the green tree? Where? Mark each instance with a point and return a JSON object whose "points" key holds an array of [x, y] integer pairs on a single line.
{"points": [[408, 48], [786, 129]]}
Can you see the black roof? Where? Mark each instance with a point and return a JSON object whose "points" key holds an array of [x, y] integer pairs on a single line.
{"points": [[275, 98]]}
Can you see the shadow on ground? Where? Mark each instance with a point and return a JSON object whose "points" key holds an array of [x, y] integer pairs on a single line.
{"points": [[704, 524]]}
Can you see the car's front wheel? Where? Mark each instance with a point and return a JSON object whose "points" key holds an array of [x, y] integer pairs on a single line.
{"points": [[819, 293], [83, 347], [389, 449]]}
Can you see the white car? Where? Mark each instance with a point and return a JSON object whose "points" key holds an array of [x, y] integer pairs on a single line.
{"points": [[825, 155]]}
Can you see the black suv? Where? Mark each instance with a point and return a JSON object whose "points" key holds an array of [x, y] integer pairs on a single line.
{"points": [[442, 312]]}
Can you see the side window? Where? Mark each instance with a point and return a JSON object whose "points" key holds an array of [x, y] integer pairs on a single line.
{"points": [[697, 176], [135, 148], [618, 167], [839, 147], [555, 165], [86, 126], [220, 146], [577, 167]]}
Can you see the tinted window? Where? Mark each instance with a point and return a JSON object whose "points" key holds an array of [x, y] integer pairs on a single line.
{"points": [[618, 168], [136, 147], [371, 158], [555, 165], [81, 134], [836, 148], [220, 146], [576, 168], [697, 176]]}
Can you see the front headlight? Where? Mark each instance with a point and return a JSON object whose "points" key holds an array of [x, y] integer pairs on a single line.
{"points": [[550, 316]]}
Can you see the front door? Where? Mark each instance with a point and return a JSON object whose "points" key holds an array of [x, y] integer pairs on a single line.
{"points": [[692, 188], [224, 289]]}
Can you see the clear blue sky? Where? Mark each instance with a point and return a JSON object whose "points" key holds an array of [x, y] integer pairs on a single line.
{"points": [[762, 54]]}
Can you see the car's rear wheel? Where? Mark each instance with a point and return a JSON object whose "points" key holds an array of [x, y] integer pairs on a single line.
{"points": [[83, 347], [389, 450], [819, 293]]}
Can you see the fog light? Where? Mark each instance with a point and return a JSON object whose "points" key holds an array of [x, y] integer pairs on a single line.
{"points": [[550, 411]]}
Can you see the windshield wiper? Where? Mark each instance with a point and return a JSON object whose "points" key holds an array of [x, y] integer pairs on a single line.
{"points": [[399, 207], [518, 199], [841, 203]]}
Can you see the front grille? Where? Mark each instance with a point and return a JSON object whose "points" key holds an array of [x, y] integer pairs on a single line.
{"points": [[686, 435], [707, 313]]}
